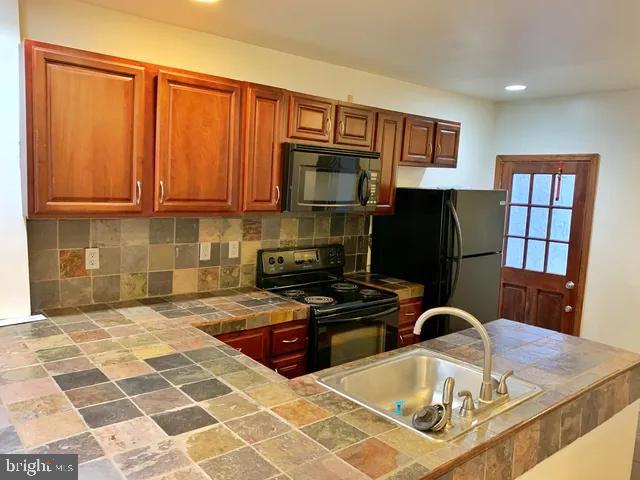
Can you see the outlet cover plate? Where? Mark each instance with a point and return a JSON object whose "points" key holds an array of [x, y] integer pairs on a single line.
{"points": [[205, 251], [234, 249], [91, 258]]}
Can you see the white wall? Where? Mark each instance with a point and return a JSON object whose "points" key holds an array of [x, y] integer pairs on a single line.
{"points": [[14, 279], [74, 24], [608, 124]]}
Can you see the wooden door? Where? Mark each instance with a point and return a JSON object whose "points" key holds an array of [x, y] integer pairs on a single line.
{"points": [[550, 206], [447, 139], [262, 149], [197, 143], [417, 147], [354, 126], [389, 144], [310, 118], [86, 130]]}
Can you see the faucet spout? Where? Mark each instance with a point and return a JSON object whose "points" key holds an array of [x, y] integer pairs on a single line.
{"points": [[486, 389]]}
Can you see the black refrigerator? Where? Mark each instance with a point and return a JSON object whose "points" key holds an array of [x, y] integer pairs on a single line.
{"points": [[451, 242]]}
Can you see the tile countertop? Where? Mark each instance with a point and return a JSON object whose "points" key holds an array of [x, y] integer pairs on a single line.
{"points": [[139, 393], [402, 288]]}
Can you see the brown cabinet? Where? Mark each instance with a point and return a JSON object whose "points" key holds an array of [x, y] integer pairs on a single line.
{"points": [[417, 145], [282, 347], [446, 144], [262, 157], [389, 144], [354, 126], [197, 143], [290, 366], [410, 310], [310, 118], [86, 132], [253, 343]]}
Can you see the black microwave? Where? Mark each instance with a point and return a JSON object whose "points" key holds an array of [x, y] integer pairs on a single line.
{"points": [[330, 179]]}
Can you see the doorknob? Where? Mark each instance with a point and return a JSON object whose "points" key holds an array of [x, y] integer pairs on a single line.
{"points": [[568, 309], [569, 285]]}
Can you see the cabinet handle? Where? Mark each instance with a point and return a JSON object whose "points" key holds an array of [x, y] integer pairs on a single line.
{"points": [[161, 191], [138, 192], [401, 339], [239, 349], [277, 194], [328, 126], [438, 149], [293, 340], [341, 127], [410, 314], [429, 150]]}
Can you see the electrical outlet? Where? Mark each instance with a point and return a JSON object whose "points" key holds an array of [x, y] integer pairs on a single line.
{"points": [[91, 258], [234, 249], [205, 251]]}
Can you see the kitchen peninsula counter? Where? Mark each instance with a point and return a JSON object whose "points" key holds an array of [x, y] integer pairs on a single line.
{"points": [[140, 393]]}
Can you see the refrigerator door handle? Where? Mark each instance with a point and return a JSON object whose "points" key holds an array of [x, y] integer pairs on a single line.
{"points": [[458, 260]]}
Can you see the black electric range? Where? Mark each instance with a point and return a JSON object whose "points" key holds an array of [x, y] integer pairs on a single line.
{"points": [[348, 321]]}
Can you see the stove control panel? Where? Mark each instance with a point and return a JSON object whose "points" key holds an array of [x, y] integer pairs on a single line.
{"points": [[296, 260]]}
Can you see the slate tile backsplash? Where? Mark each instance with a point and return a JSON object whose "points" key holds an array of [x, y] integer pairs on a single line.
{"points": [[141, 257]]}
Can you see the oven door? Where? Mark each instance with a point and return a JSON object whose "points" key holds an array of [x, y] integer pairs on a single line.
{"points": [[343, 337], [330, 180]]}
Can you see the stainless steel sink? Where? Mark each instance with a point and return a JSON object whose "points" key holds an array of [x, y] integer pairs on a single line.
{"points": [[416, 378]]}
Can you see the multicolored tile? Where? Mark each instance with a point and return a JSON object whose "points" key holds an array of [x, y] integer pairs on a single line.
{"points": [[120, 437], [257, 427], [84, 445], [151, 461], [184, 420], [209, 443], [94, 394], [373, 457], [107, 413], [161, 400], [243, 464], [290, 450], [301, 412]]}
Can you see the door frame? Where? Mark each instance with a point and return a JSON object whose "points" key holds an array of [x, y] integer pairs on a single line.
{"points": [[593, 162]]}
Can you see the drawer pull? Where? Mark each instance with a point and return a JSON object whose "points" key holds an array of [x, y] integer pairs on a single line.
{"points": [[410, 314], [239, 349], [293, 340]]}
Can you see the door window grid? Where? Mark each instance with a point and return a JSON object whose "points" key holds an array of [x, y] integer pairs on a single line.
{"points": [[538, 224]]}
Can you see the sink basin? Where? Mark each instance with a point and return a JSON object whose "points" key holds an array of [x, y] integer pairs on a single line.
{"points": [[416, 378]]}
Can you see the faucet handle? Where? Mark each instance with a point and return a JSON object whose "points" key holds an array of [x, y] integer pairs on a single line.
{"points": [[467, 404], [502, 386]]}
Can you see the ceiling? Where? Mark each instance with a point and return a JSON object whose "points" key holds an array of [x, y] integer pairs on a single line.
{"points": [[556, 47]]}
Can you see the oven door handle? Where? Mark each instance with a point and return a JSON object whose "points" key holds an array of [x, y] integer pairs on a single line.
{"points": [[329, 321]]}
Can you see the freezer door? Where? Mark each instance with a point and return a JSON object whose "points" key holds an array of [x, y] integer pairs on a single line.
{"points": [[477, 290], [481, 214]]}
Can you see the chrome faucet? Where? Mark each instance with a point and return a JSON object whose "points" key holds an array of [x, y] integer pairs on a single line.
{"points": [[486, 389]]}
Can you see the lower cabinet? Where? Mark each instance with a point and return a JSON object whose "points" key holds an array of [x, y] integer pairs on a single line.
{"points": [[410, 310], [282, 347]]}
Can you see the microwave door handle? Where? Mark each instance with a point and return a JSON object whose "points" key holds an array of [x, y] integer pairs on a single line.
{"points": [[363, 195], [330, 321], [367, 176]]}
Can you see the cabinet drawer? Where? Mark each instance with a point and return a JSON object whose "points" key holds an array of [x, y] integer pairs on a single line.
{"points": [[406, 336], [409, 312], [288, 339], [252, 343], [290, 366]]}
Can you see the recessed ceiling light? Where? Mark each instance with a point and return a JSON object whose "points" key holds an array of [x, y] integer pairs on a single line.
{"points": [[515, 88]]}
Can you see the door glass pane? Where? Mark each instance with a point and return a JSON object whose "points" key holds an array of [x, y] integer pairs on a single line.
{"points": [[538, 223], [520, 188], [541, 194], [557, 262], [535, 255], [567, 186], [560, 224], [517, 220], [515, 252]]}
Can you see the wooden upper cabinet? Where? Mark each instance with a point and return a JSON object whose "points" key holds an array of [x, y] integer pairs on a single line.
{"points": [[417, 146], [197, 143], [86, 131], [310, 118], [446, 144], [389, 144], [262, 156], [354, 126]]}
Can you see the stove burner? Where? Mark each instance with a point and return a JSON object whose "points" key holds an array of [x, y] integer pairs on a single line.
{"points": [[370, 292], [319, 300], [293, 293], [344, 287]]}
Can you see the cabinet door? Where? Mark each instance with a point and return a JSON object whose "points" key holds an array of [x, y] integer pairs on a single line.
{"points": [[410, 310], [310, 118], [417, 147], [290, 366], [86, 122], [263, 152], [406, 337], [253, 343], [389, 144], [288, 338], [447, 139], [354, 126], [197, 144]]}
